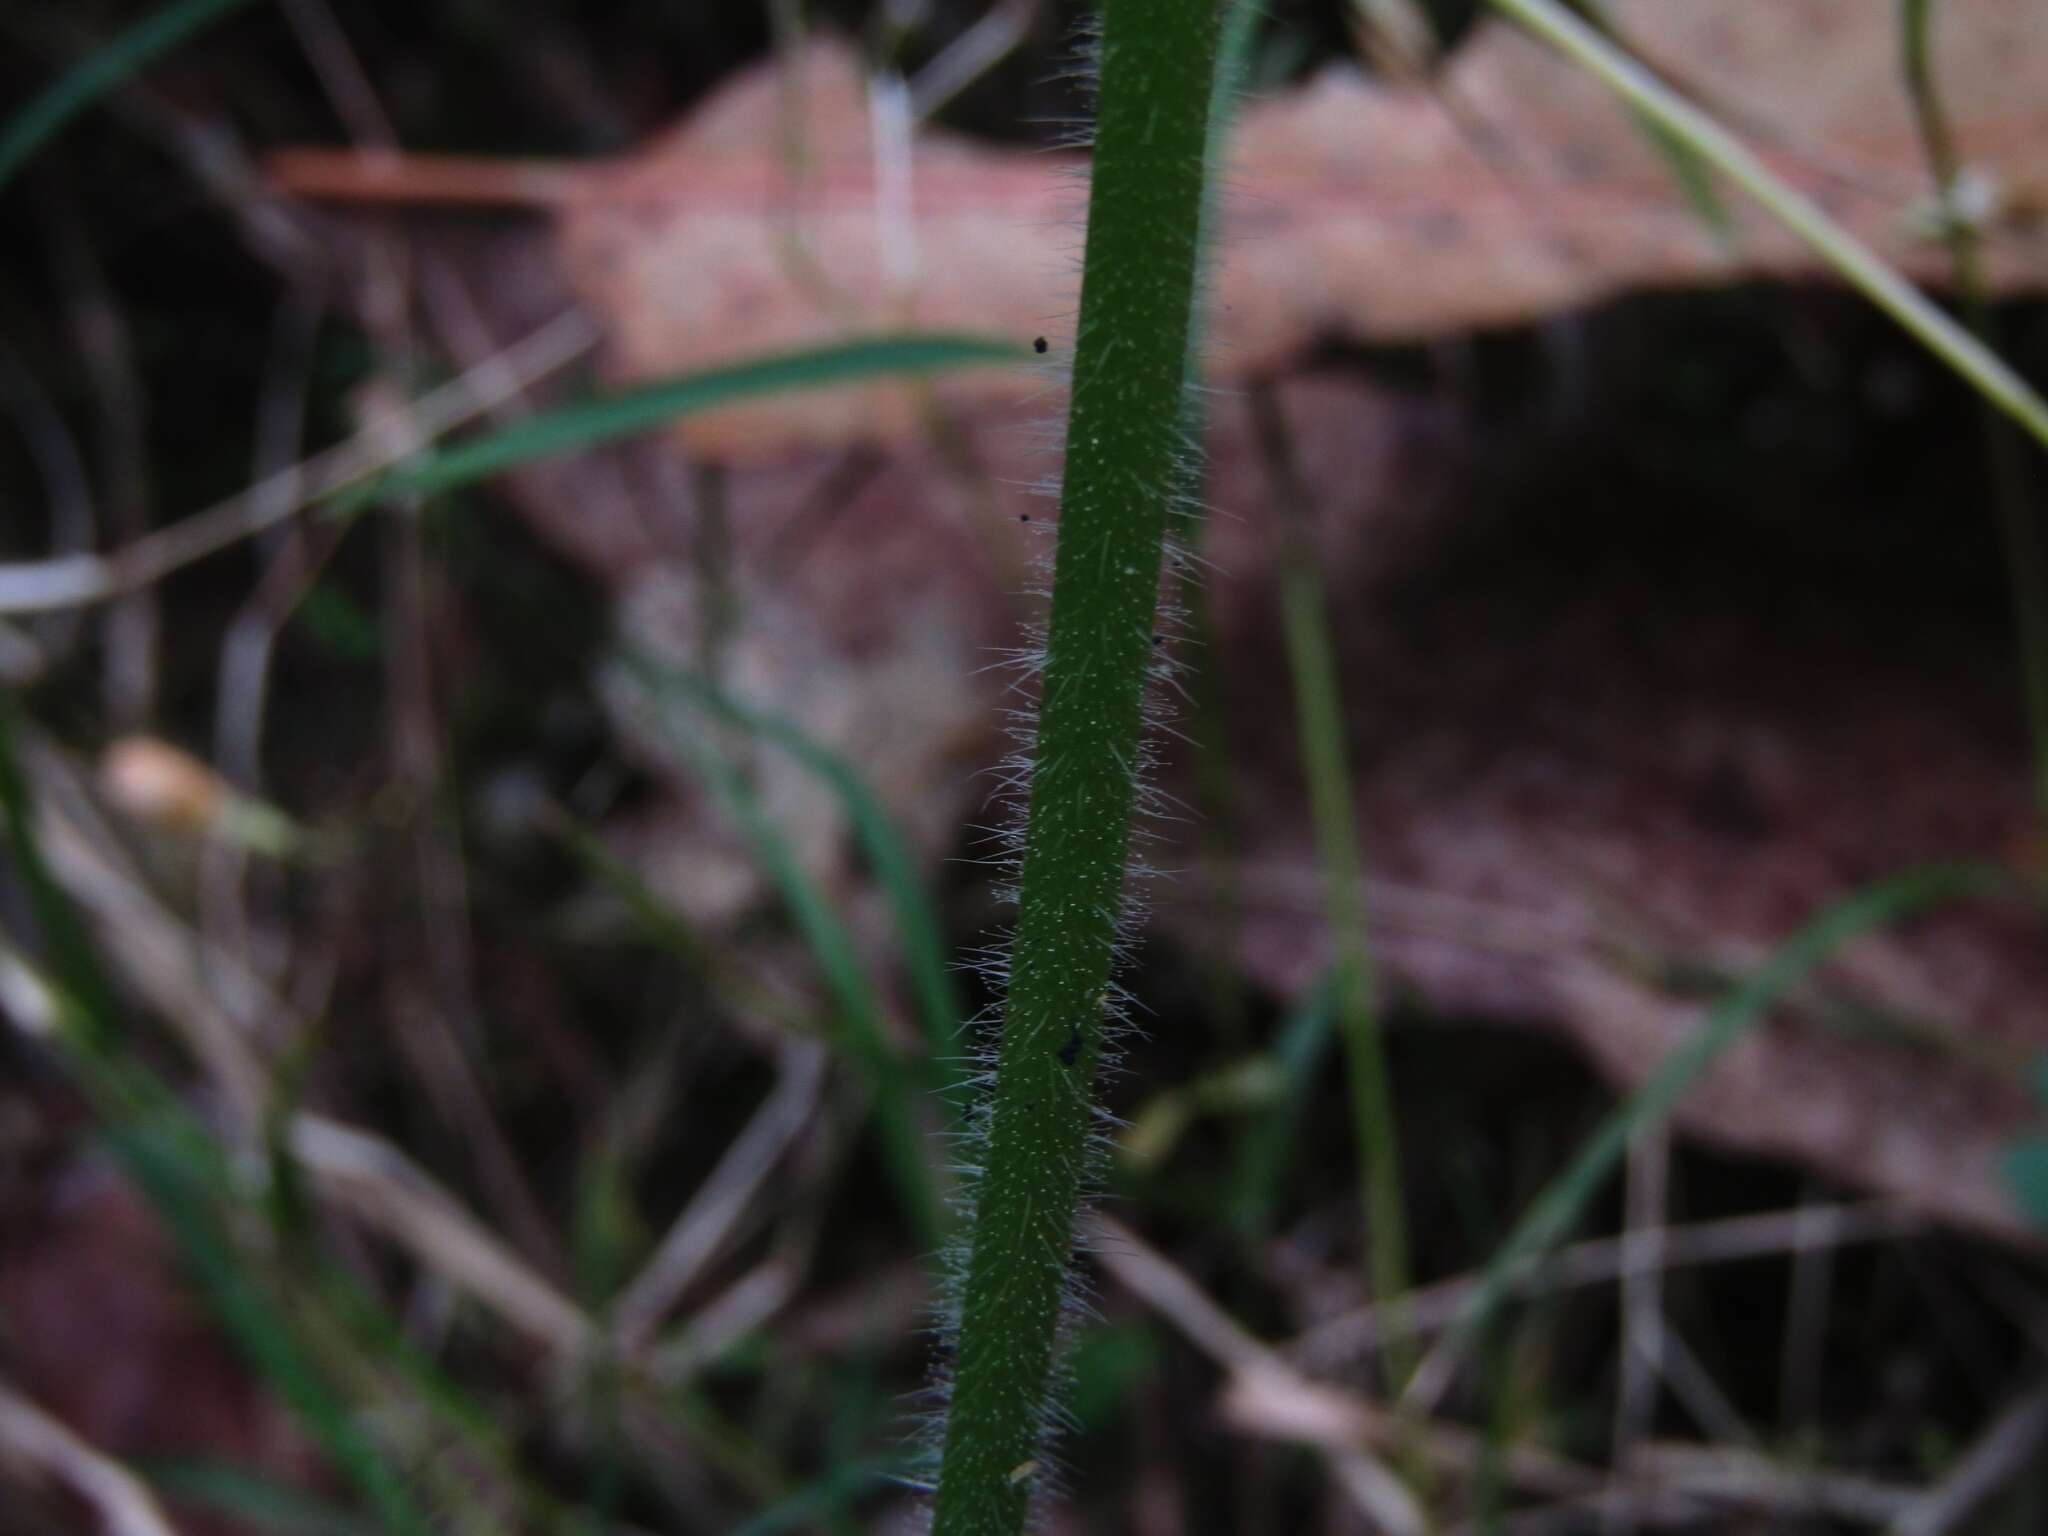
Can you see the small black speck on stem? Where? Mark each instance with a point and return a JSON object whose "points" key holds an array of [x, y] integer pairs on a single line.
{"points": [[1071, 1051]]}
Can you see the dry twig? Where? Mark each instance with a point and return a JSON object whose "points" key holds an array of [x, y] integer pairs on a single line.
{"points": [[38, 1442], [2010, 1447], [44, 586]]}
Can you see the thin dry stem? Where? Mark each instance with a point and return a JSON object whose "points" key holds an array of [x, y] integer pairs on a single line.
{"points": [[33, 1439], [45, 586]]}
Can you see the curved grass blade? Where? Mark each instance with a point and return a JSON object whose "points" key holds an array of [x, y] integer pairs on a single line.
{"points": [[1558, 1209], [360, 1326], [863, 1036], [917, 924], [99, 72], [1319, 715], [175, 1165], [1268, 1142], [179, 1169], [253, 1500], [1689, 170], [627, 413], [1856, 263], [2019, 526]]}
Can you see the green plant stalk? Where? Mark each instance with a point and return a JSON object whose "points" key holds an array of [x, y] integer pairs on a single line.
{"points": [[1557, 1209], [1358, 992], [1916, 63], [2018, 528], [1319, 711], [1126, 452], [1857, 264]]}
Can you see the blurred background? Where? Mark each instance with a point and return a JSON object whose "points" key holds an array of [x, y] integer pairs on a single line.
{"points": [[488, 961]]}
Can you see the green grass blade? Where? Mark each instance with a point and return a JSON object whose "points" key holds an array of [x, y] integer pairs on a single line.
{"points": [[2018, 523], [1855, 262], [78, 972], [366, 1328], [917, 923], [659, 923], [102, 70], [863, 1036], [1319, 714], [171, 1160], [627, 413], [1263, 1152], [1689, 169], [2026, 1175], [1557, 1210], [155, 1158], [253, 1501], [1695, 179], [181, 1172]]}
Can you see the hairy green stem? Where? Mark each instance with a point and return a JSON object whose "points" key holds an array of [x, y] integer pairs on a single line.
{"points": [[1125, 452]]}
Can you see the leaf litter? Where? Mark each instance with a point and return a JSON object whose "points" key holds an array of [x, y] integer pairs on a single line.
{"points": [[1600, 768]]}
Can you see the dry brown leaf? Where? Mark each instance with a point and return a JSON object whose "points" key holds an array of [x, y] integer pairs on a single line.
{"points": [[1607, 752], [1598, 742], [1510, 189], [1595, 743]]}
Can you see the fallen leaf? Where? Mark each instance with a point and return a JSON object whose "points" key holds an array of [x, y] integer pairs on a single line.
{"points": [[1607, 751], [1511, 188], [1605, 759]]}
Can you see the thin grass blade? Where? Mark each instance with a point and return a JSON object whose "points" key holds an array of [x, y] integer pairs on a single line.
{"points": [[181, 1172], [1558, 1209], [628, 413], [917, 923], [864, 1037], [1854, 261], [103, 70]]}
